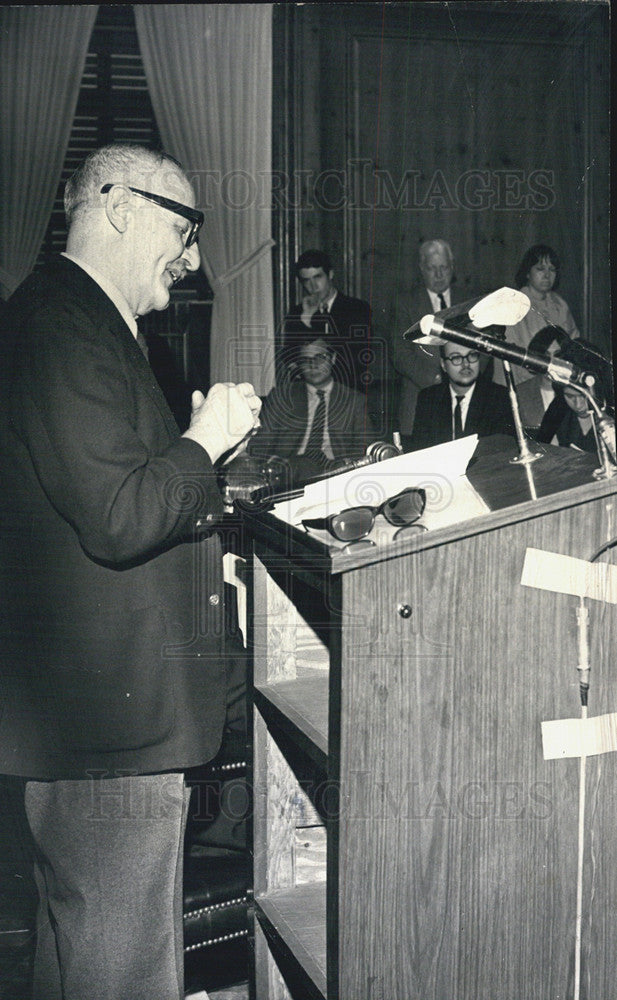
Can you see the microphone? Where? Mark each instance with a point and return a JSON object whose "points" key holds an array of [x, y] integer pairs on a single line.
{"points": [[503, 307], [377, 451], [556, 369], [264, 498], [606, 430]]}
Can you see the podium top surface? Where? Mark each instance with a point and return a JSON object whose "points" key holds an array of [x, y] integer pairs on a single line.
{"points": [[510, 491]]}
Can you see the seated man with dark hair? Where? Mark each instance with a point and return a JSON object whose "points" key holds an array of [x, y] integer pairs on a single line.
{"points": [[313, 420], [535, 394], [567, 421], [327, 312], [465, 403]]}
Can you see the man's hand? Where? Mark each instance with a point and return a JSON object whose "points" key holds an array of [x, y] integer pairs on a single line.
{"points": [[223, 418], [310, 305]]}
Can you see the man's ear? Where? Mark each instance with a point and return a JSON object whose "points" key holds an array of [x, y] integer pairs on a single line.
{"points": [[442, 363], [117, 207]]}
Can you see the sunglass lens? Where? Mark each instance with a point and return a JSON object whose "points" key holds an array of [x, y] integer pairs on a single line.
{"points": [[359, 545], [352, 523], [408, 530], [405, 507]]}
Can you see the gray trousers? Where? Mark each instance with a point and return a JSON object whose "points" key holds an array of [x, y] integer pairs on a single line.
{"points": [[109, 875]]}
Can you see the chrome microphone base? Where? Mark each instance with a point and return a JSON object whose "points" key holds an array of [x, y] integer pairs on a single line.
{"points": [[526, 457], [608, 472]]}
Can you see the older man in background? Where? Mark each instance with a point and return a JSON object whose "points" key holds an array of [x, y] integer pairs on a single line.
{"points": [[418, 366]]}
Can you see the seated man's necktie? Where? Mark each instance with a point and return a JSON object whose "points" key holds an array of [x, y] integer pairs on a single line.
{"points": [[314, 445], [458, 423]]}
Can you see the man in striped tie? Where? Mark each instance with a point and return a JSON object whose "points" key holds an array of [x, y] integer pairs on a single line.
{"points": [[313, 421]]}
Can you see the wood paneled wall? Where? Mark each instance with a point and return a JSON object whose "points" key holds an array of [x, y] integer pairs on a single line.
{"points": [[483, 123]]}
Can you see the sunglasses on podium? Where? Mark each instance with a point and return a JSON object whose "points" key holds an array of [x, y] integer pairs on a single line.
{"points": [[353, 524]]}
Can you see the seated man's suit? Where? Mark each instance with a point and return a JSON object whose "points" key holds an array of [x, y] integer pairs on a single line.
{"points": [[417, 365], [284, 420], [488, 413]]}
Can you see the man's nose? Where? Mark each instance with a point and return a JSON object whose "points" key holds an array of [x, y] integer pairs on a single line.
{"points": [[191, 257]]}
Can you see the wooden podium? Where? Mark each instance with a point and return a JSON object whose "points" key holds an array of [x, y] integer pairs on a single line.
{"points": [[398, 698]]}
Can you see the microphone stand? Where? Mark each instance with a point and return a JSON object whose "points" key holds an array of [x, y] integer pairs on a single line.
{"points": [[557, 371], [601, 432], [525, 455]]}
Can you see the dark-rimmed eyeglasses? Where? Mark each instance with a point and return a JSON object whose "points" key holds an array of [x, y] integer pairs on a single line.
{"points": [[192, 215], [354, 523], [315, 359], [457, 359]]}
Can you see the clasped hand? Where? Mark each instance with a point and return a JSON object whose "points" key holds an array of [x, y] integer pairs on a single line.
{"points": [[224, 418], [310, 304]]}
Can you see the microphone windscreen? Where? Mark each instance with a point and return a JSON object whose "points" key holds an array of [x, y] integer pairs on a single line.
{"points": [[504, 307], [426, 324]]}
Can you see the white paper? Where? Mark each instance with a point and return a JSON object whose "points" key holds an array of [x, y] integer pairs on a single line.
{"points": [[579, 737], [566, 575], [450, 497]]}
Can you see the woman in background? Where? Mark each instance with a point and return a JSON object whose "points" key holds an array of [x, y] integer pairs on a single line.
{"points": [[538, 277]]}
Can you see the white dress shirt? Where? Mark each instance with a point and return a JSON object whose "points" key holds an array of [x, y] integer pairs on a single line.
{"points": [[434, 297], [465, 401]]}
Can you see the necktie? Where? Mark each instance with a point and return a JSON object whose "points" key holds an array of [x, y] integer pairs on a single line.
{"points": [[442, 301], [141, 340], [458, 423], [324, 318], [315, 441]]}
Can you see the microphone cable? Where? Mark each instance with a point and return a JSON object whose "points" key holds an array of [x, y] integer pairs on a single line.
{"points": [[582, 616]]}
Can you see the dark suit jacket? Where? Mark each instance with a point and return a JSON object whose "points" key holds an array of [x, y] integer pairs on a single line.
{"points": [[561, 421], [489, 413], [417, 364], [284, 417], [348, 325], [112, 591]]}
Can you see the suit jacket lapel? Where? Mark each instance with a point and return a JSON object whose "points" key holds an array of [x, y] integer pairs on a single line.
{"points": [[337, 413], [444, 413], [475, 412], [88, 291], [147, 378], [299, 415]]}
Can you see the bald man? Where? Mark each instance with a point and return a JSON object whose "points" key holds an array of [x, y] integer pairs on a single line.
{"points": [[113, 667]]}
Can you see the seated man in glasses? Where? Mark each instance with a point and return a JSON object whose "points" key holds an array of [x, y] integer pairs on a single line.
{"points": [[312, 420], [465, 402]]}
